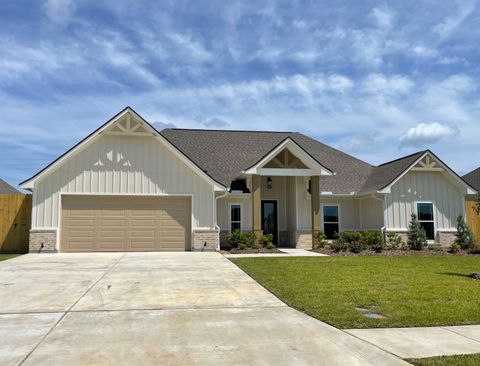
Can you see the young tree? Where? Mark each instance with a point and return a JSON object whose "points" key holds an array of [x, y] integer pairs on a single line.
{"points": [[417, 237], [464, 234]]}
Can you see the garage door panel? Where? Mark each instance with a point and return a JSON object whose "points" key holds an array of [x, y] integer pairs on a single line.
{"points": [[125, 223]]}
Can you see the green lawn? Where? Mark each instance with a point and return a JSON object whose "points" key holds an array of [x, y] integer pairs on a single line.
{"points": [[7, 256], [407, 291], [463, 360]]}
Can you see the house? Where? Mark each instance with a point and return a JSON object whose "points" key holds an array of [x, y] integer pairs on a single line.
{"points": [[129, 187], [473, 179], [6, 188]]}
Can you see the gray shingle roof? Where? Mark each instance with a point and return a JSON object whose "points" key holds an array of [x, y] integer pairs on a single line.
{"points": [[6, 188], [473, 179], [223, 155], [385, 174]]}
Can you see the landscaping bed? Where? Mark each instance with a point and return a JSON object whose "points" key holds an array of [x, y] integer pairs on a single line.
{"points": [[349, 292], [392, 252], [252, 251]]}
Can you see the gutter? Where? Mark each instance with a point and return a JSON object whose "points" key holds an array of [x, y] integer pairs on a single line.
{"points": [[215, 214]]}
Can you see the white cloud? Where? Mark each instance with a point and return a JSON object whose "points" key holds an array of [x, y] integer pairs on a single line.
{"points": [[426, 52], [387, 85], [427, 133], [383, 17], [159, 125], [452, 22], [60, 11]]}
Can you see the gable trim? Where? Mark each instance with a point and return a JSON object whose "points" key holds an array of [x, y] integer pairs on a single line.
{"points": [[468, 188], [297, 150], [29, 183]]}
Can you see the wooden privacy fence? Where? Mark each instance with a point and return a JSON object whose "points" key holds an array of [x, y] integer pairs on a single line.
{"points": [[15, 221], [473, 219]]}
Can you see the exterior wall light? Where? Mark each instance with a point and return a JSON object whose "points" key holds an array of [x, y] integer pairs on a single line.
{"points": [[269, 183]]}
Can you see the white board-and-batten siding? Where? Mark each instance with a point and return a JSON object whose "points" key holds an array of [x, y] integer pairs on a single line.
{"points": [[435, 187], [113, 164]]}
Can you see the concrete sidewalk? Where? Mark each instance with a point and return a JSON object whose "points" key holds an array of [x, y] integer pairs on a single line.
{"points": [[287, 252], [424, 341]]}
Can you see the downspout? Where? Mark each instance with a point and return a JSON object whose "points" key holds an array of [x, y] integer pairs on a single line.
{"points": [[215, 215]]}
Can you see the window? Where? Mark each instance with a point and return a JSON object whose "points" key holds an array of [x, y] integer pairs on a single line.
{"points": [[426, 219], [331, 221], [235, 217]]}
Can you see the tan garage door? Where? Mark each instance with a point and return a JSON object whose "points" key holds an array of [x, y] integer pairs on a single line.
{"points": [[125, 223]]}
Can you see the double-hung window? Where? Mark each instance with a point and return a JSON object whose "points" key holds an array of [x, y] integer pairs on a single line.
{"points": [[235, 217], [426, 218], [331, 221]]}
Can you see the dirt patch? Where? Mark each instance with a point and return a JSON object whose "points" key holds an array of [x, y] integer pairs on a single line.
{"points": [[392, 253], [253, 251], [475, 276]]}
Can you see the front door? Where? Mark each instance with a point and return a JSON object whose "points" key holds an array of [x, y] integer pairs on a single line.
{"points": [[270, 219]]}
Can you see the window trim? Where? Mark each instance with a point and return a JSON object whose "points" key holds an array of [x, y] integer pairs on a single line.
{"points": [[230, 204], [434, 209], [322, 217]]}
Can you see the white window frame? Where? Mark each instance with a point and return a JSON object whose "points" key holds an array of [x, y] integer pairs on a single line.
{"points": [[322, 218], [430, 241], [230, 215]]}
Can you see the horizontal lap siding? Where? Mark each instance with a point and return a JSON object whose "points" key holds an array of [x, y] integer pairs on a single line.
{"points": [[123, 165], [424, 186]]}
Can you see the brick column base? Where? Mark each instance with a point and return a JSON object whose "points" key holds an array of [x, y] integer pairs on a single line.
{"points": [[43, 241], [206, 239]]}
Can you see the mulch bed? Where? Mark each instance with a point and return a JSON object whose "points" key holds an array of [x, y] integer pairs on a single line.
{"points": [[392, 253], [253, 251]]}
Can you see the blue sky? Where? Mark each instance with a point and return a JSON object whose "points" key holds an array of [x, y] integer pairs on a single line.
{"points": [[378, 80]]}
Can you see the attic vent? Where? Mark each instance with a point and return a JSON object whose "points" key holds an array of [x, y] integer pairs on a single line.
{"points": [[239, 185]]}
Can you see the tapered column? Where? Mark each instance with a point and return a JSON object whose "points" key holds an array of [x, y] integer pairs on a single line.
{"points": [[256, 205], [315, 200]]}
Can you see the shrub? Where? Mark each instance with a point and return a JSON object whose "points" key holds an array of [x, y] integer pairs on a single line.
{"points": [[475, 249], [464, 235], [242, 246], [417, 238], [394, 241], [374, 240], [250, 238], [266, 241], [357, 246], [339, 246], [319, 240], [455, 248], [270, 245], [235, 239], [348, 237]]}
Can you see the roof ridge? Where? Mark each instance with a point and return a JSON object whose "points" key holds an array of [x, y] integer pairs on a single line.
{"points": [[337, 150], [403, 157], [220, 130]]}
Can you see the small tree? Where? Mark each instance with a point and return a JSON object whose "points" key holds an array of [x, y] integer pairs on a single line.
{"points": [[417, 237], [464, 234]]}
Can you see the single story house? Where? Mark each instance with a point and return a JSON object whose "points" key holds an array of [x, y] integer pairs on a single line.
{"points": [[129, 187], [6, 188], [473, 179]]}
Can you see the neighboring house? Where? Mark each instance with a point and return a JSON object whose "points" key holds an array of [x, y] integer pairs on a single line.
{"points": [[6, 188], [473, 179], [130, 187]]}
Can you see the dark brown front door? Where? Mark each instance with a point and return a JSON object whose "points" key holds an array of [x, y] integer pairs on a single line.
{"points": [[270, 219]]}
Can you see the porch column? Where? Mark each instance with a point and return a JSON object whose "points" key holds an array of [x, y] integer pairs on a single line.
{"points": [[256, 205], [315, 200]]}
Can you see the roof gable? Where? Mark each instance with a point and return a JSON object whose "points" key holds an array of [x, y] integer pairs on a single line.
{"points": [[126, 122], [386, 175], [226, 154]]}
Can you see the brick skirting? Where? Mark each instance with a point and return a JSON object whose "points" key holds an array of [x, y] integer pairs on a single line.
{"points": [[205, 240], [43, 241]]}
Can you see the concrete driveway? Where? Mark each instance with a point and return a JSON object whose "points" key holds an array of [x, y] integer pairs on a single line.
{"points": [[158, 308]]}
